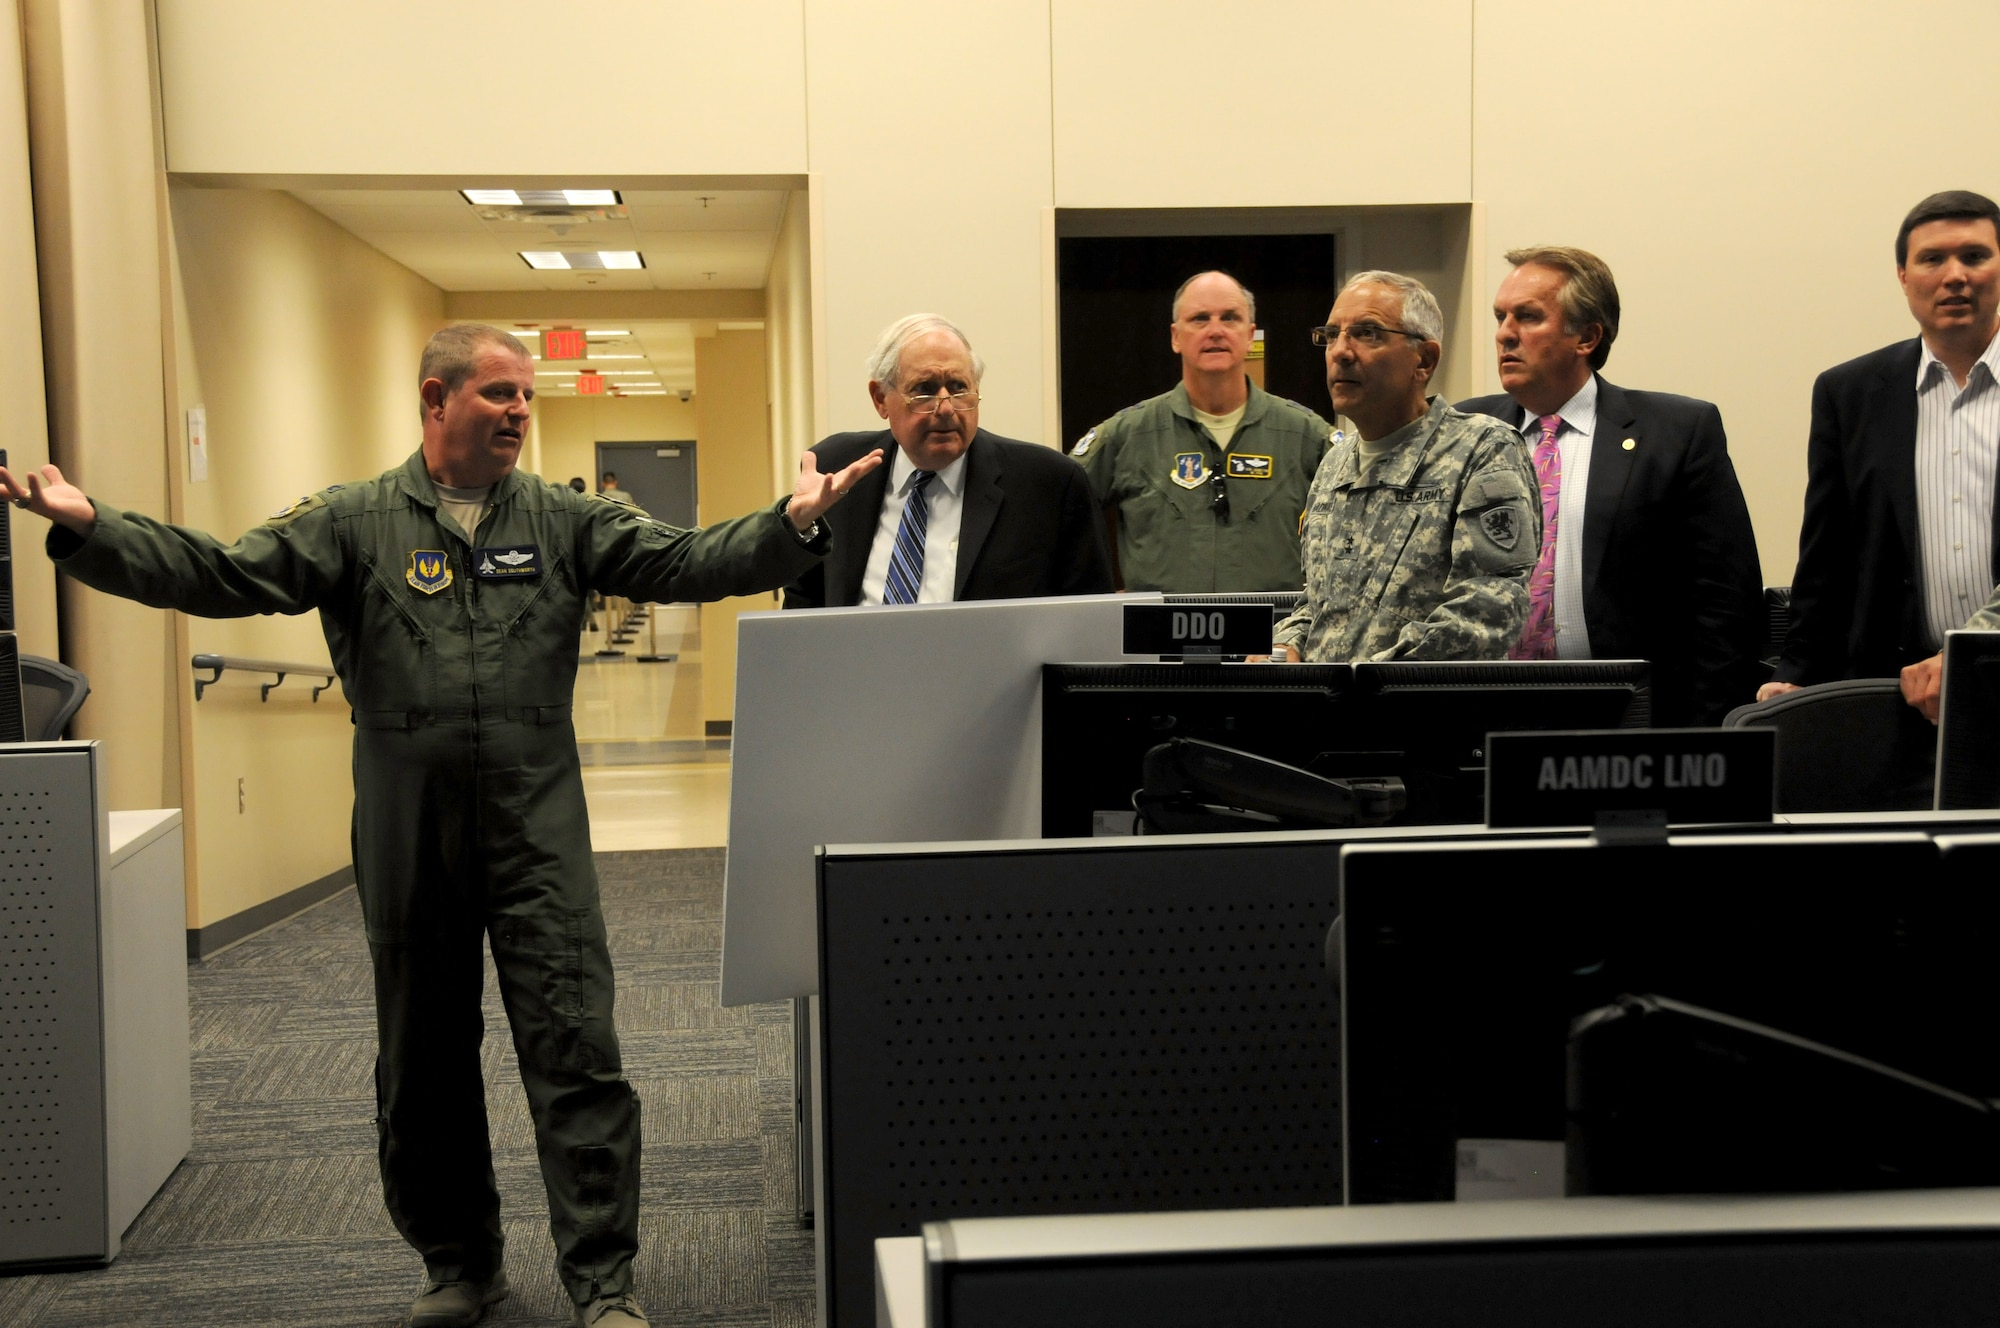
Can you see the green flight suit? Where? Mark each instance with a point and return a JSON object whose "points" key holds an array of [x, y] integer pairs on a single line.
{"points": [[459, 660], [1158, 466]]}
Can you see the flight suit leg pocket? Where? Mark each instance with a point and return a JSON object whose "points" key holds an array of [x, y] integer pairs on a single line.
{"points": [[559, 976]]}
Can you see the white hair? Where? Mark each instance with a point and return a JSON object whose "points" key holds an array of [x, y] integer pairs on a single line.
{"points": [[1420, 308], [886, 359]]}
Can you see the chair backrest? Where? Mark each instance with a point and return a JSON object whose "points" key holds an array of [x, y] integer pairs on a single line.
{"points": [[1849, 746], [51, 694]]}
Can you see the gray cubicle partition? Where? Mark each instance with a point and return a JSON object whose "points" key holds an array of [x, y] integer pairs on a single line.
{"points": [[1041, 1030], [54, 1187], [1904, 1258], [918, 723], [1078, 1026]]}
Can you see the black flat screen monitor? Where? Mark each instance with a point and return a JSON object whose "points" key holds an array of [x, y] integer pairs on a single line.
{"points": [[1462, 969], [1425, 724], [1968, 753]]}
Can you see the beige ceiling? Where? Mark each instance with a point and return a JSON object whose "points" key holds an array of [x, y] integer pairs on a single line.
{"points": [[691, 240]]}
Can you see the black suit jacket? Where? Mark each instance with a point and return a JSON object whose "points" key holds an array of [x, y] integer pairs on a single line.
{"points": [[1028, 526], [1857, 596], [1670, 570]]}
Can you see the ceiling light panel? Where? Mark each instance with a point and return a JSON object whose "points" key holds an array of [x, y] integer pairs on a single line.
{"points": [[541, 197], [592, 260]]}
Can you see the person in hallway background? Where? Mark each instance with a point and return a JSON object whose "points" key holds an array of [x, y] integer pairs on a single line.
{"points": [[1647, 550], [469, 817], [959, 513], [1203, 485], [1422, 528], [578, 483], [611, 490], [1897, 546]]}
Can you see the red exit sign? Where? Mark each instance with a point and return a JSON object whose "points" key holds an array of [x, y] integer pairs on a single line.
{"points": [[563, 343], [590, 385]]}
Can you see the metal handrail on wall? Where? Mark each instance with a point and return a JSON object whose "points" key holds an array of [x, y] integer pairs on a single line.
{"points": [[223, 663]]}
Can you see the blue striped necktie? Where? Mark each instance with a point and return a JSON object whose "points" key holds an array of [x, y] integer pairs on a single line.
{"points": [[906, 560]]}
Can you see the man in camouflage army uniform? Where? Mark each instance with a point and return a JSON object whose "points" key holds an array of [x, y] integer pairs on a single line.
{"points": [[1422, 529], [1204, 484], [450, 590]]}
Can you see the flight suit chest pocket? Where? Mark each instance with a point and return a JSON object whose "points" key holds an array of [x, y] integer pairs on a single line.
{"points": [[395, 631]]}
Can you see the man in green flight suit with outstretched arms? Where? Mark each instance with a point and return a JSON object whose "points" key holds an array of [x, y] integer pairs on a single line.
{"points": [[450, 590]]}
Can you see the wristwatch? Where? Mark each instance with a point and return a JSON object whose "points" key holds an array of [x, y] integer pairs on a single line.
{"points": [[808, 537]]}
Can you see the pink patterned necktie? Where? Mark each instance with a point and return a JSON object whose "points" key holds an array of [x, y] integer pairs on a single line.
{"points": [[1538, 638]]}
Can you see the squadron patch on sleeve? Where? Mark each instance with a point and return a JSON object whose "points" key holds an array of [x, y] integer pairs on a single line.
{"points": [[429, 570], [1190, 470], [1083, 444], [1502, 526]]}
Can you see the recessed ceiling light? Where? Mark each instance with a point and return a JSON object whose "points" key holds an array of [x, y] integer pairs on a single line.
{"points": [[541, 197], [606, 332], [551, 260]]}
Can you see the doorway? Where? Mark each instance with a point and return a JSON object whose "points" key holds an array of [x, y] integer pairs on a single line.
{"points": [[1117, 293], [660, 477]]}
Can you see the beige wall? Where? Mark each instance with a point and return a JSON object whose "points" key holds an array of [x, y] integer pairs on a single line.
{"points": [[98, 237], [21, 382], [1775, 137], [788, 327], [570, 428], [301, 343], [733, 475], [1741, 166]]}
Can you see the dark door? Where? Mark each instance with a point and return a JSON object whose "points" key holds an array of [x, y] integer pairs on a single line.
{"points": [[1117, 296], [658, 476]]}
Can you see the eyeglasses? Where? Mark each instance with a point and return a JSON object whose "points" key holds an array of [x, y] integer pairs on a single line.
{"points": [[1361, 334], [928, 403], [1218, 498]]}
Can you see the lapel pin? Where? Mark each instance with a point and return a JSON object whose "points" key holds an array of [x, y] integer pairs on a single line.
{"points": [[1629, 444]]}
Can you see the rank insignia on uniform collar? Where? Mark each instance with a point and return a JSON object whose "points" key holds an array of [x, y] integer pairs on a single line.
{"points": [[1190, 470], [430, 570]]}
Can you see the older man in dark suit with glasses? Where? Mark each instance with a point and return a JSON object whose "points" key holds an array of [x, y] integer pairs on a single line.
{"points": [[958, 513]]}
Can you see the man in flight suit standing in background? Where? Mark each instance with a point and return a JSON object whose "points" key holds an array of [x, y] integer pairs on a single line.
{"points": [[1205, 483], [450, 590]]}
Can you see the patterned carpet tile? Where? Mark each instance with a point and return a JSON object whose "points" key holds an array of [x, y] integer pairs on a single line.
{"points": [[235, 1131], [277, 1216]]}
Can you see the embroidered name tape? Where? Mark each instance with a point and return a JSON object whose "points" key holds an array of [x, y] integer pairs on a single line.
{"points": [[507, 562], [1249, 467]]}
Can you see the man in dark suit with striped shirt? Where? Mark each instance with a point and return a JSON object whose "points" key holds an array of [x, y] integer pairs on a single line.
{"points": [[1898, 545]]}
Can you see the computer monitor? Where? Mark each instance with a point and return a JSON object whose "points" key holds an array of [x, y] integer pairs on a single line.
{"points": [[1424, 724], [1968, 753], [1464, 970]]}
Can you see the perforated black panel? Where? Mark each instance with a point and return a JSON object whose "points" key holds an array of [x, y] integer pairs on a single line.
{"points": [[1110, 1030], [51, 1094]]}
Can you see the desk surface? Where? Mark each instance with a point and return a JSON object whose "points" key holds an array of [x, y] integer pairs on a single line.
{"points": [[132, 831]]}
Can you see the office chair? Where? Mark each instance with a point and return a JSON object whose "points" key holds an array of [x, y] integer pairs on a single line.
{"points": [[1848, 746], [51, 694]]}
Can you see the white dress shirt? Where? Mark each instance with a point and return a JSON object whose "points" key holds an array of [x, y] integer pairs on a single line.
{"points": [[944, 502], [1579, 422], [1958, 434]]}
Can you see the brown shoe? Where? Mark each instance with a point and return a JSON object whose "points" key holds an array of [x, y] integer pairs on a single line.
{"points": [[610, 1312], [457, 1304]]}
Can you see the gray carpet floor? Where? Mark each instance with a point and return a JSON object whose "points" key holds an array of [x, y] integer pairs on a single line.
{"points": [[276, 1217]]}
